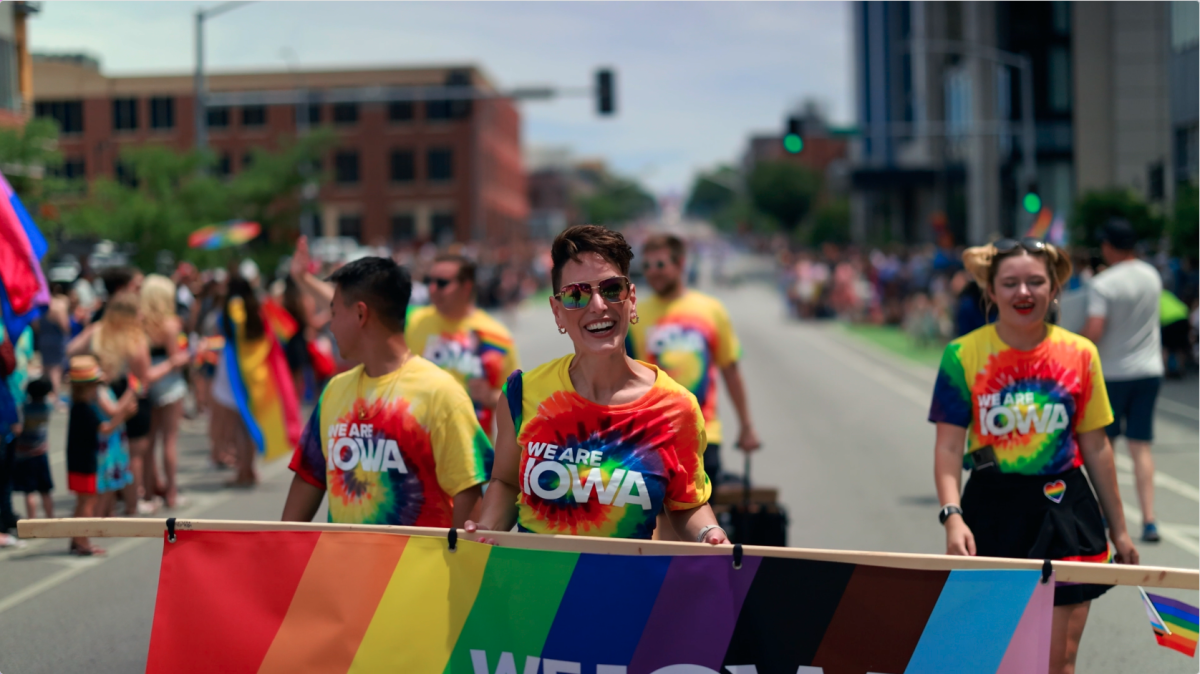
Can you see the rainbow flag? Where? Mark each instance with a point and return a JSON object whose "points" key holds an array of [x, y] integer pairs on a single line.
{"points": [[22, 246], [370, 602], [262, 387], [279, 321], [1174, 622], [1041, 224]]}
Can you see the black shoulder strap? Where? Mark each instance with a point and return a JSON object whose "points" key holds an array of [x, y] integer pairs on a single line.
{"points": [[513, 393]]}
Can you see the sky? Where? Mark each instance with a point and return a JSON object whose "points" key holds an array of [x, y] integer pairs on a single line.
{"points": [[694, 79]]}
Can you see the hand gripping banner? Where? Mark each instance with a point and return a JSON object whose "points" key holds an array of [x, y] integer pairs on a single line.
{"points": [[331, 601]]}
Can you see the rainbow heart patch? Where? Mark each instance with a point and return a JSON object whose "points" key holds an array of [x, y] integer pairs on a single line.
{"points": [[1055, 490]]}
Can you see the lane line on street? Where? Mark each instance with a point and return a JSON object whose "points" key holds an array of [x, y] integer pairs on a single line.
{"points": [[79, 566], [1177, 408], [1161, 479]]}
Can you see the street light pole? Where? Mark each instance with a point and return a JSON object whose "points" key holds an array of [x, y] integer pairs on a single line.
{"points": [[199, 103]]}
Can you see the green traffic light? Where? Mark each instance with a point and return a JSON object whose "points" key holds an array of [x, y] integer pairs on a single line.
{"points": [[793, 143], [1032, 202]]}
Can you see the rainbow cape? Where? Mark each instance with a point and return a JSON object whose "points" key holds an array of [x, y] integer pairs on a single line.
{"points": [[262, 386], [23, 288], [1174, 622], [291, 601]]}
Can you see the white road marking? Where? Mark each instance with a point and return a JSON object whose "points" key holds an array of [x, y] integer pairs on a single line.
{"points": [[200, 502], [1178, 408], [1161, 479]]}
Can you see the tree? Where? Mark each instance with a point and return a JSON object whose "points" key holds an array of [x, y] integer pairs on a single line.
{"points": [[172, 194], [712, 193], [1186, 223], [831, 224], [616, 201], [784, 191], [1095, 208]]}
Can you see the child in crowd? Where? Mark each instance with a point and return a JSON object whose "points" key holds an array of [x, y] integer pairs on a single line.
{"points": [[89, 431], [31, 472]]}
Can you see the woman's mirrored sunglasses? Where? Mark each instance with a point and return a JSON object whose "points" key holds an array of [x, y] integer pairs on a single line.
{"points": [[578, 295], [1029, 243]]}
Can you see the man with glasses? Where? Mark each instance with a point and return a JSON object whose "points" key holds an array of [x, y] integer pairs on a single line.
{"points": [[689, 334], [461, 338]]}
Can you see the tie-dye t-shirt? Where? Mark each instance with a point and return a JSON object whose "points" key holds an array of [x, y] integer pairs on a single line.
{"points": [[692, 339], [605, 470], [477, 346], [1029, 406], [393, 449]]}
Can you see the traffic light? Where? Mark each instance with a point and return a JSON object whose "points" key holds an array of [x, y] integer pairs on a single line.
{"points": [[606, 92], [793, 140], [1032, 200]]}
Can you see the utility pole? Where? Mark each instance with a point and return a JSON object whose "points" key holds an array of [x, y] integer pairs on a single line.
{"points": [[199, 104]]}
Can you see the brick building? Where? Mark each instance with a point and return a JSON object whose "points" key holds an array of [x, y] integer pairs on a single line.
{"points": [[400, 171]]}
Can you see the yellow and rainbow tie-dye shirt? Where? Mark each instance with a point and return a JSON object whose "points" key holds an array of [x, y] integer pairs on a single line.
{"points": [[1029, 406], [604, 470], [393, 449], [692, 339], [476, 347]]}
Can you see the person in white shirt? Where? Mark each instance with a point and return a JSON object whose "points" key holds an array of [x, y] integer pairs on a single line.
{"points": [[1122, 308]]}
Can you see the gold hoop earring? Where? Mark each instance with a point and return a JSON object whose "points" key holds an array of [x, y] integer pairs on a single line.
{"points": [[634, 320], [562, 330]]}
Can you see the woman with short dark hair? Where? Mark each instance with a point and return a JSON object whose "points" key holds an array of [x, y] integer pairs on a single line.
{"points": [[597, 443]]}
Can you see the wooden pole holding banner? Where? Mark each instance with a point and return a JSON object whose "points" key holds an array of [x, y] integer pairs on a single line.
{"points": [[1072, 572]]}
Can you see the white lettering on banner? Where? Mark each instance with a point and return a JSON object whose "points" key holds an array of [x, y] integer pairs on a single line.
{"points": [[506, 664], [559, 667], [1020, 414], [364, 450]]}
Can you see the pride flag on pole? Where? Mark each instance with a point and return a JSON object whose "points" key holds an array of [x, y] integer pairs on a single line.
{"points": [[1174, 622], [333, 602], [262, 384], [22, 248]]}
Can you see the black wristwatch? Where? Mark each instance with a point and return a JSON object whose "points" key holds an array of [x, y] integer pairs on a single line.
{"points": [[947, 512]]}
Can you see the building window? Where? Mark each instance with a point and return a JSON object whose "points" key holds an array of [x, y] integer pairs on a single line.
{"points": [[404, 227], [345, 113], [1060, 13], [404, 166], [254, 115], [125, 174], [440, 164], [247, 160], [437, 110], [400, 111], [225, 165], [68, 114], [351, 226], [345, 167], [442, 224], [125, 114], [72, 168], [218, 118], [313, 112], [1185, 25], [162, 113], [1058, 80]]}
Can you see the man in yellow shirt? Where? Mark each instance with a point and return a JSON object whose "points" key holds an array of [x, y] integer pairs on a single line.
{"points": [[688, 334], [462, 339]]}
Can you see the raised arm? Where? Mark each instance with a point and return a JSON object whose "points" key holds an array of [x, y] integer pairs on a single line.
{"points": [[299, 270]]}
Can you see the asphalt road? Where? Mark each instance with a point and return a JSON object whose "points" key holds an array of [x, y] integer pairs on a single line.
{"points": [[845, 442]]}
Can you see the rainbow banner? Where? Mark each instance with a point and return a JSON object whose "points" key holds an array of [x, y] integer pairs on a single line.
{"points": [[262, 386], [312, 601], [22, 247]]}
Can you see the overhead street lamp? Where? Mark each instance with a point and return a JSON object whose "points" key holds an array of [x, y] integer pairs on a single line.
{"points": [[199, 107]]}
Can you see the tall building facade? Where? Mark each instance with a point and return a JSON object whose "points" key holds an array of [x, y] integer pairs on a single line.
{"points": [[941, 105], [16, 74], [400, 171]]}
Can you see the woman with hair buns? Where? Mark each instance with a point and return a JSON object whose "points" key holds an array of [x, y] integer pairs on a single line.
{"points": [[1027, 400]]}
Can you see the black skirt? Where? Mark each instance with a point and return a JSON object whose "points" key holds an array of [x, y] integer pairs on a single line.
{"points": [[137, 426], [1052, 517]]}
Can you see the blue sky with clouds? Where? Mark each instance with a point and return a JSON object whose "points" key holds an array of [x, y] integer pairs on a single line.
{"points": [[695, 79]]}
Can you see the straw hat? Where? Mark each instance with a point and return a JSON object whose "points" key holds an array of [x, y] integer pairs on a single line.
{"points": [[84, 370]]}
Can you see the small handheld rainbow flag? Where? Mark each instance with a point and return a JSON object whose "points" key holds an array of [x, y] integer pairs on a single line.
{"points": [[1174, 622]]}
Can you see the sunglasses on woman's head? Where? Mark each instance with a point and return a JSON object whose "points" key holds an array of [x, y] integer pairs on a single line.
{"points": [[578, 295], [1029, 243], [441, 283]]}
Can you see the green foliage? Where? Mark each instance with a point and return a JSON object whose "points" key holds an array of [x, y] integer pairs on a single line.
{"points": [[831, 224], [175, 195], [1186, 223], [784, 191], [1096, 207], [712, 193], [28, 157], [616, 201]]}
